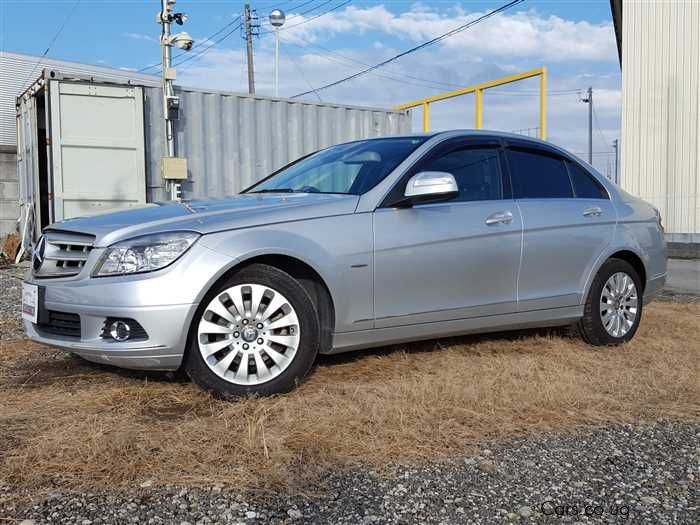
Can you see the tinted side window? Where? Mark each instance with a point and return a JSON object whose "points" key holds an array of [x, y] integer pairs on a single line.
{"points": [[585, 186], [538, 175], [476, 170]]}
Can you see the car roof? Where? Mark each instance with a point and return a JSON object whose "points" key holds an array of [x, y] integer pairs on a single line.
{"points": [[464, 133]]}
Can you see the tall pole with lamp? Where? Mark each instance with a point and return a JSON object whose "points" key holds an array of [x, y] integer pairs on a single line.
{"points": [[277, 19]]}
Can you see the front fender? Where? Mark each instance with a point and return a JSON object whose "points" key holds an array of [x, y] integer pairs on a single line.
{"points": [[338, 248]]}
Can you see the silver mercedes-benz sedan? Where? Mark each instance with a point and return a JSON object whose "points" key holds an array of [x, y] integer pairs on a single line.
{"points": [[362, 244]]}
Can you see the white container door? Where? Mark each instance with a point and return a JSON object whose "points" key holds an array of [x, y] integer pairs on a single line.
{"points": [[97, 148]]}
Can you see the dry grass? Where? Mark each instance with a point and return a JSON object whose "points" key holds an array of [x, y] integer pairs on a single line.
{"points": [[64, 422]]}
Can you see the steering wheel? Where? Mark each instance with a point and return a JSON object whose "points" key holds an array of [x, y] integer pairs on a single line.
{"points": [[309, 189]]}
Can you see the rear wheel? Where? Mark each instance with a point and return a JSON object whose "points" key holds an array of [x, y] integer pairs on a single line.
{"points": [[255, 333], [613, 307]]}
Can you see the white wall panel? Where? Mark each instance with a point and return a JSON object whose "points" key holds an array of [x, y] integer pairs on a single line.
{"points": [[660, 96]]}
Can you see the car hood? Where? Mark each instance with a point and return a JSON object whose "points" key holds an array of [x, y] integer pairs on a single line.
{"points": [[208, 216]]}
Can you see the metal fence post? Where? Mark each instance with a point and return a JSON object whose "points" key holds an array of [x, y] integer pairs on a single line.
{"points": [[479, 109]]}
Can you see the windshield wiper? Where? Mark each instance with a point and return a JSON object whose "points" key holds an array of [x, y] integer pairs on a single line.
{"points": [[273, 190]]}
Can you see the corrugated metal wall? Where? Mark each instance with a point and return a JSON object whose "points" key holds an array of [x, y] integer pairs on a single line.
{"points": [[660, 96], [232, 140]]}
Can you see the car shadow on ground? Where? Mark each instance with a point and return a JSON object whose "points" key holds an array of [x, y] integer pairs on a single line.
{"points": [[431, 345], [50, 366]]}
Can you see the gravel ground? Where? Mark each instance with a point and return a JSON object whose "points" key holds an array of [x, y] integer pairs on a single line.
{"points": [[10, 299], [633, 473]]}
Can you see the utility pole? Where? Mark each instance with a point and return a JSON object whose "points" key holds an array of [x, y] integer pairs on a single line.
{"points": [[250, 26], [617, 162], [589, 100]]}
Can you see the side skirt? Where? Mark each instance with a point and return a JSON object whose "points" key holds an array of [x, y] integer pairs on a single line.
{"points": [[348, 341]]}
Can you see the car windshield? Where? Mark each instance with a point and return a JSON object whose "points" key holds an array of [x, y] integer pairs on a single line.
{"points": [[353, 168]]}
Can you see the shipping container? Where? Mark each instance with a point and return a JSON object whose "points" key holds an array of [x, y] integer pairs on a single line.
{"points": [[88, 145]]}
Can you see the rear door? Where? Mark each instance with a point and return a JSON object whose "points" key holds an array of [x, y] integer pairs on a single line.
{"points": [[568, 221], [455, 259], [97, 148]]}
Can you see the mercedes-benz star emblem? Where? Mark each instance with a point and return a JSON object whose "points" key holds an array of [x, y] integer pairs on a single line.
{"points": [[38, 253]]}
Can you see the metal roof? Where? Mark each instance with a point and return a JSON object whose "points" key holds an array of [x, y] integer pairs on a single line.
{"points": [[18, 71]]}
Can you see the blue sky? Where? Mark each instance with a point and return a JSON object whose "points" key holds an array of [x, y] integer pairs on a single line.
{"points": [[574, 39]]}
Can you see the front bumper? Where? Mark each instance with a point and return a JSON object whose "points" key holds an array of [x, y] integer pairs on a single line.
{"points": [[166, 326], [162, 302]]}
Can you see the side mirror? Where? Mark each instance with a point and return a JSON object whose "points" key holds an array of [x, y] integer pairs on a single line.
{"points": [[428, 186]]}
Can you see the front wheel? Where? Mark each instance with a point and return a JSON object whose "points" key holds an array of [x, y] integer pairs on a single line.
{"points": [[613, 307], [255, 333]]}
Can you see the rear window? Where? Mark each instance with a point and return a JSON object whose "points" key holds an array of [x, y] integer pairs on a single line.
{"points": [[537, 175], [585, 186]]}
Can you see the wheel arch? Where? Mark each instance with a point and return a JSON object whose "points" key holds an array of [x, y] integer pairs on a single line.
{"points": [[308, 276], [635, 261], [626, 254]]}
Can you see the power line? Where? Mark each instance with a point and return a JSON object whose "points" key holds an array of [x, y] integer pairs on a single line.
{"points": [[597, 124], [209, 38], [306, 78], [342, 4], [303, 4], [397, 76], [353, 60], [435, 40], [388, 76], [203, 51], [51, 43]]}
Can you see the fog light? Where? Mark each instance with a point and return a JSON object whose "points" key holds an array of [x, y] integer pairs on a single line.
{"points": [[120, 331]]}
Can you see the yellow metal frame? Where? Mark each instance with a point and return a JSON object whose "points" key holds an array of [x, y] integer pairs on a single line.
{"points": [[478, 90]]}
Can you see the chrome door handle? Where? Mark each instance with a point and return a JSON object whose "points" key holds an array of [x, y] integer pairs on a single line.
{"points": [[594, 211], [501, 217]]}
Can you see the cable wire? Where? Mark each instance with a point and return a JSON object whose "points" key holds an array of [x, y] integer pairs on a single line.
{"points": [[206, 49], [303, 4], [597, 125], [159, 65], [51, 43], [355, 61], [342, 4], [304, 76], [435, 40]]}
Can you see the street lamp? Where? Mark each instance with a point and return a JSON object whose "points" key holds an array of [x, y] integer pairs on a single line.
{"points": [[277, 19]]}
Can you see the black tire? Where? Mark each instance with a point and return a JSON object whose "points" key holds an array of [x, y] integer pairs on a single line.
{"points": [[591, 327], [200, 373]]}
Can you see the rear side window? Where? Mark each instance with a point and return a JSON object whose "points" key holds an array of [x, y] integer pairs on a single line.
{"points": [[476, 170], [585, 186], [538, 175]]}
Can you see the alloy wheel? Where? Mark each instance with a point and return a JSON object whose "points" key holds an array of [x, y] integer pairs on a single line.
{"points": [[619, 304], [248, 334]]}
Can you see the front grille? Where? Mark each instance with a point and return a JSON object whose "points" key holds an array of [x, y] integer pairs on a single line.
{"points": [[60, 323], [61, 254]]}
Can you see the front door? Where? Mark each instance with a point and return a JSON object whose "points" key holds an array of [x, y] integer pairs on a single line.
{"points": [[449, 260]]}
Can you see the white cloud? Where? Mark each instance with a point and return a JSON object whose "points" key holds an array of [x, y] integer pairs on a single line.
{"points": [[140, 36], [521, 34]]}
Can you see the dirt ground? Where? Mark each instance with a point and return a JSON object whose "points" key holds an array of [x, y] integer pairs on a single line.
{"points": [[69, 423]]}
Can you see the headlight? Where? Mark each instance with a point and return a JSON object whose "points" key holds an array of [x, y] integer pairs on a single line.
{"points": [[144, 254]]}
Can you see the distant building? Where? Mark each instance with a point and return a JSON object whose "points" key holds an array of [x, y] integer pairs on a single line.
{"points": [[659, 47], [17, 73]]}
